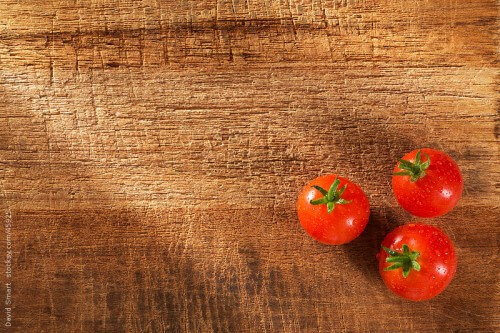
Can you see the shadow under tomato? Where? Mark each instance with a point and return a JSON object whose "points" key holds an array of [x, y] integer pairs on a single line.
{"points": [[363, 250]]}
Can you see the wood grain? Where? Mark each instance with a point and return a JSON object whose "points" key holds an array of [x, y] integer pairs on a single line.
{"points": [[151, 153]]}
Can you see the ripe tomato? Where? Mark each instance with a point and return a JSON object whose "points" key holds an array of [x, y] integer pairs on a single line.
{"points": [[333, 210], [417, 261], [428, 185]]}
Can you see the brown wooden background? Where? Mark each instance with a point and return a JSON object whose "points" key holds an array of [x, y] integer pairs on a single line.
{"points": [[151, 153]]}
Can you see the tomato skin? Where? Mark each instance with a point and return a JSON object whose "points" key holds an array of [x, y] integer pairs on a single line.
{"points": [[434, 194], [344, 223], [437, 259]]}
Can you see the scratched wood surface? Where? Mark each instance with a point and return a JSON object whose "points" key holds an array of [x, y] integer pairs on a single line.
{"points": [[151, 153]]}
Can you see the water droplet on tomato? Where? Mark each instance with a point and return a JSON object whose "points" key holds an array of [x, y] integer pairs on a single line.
{"points": [[442, 270], [446, 193]]}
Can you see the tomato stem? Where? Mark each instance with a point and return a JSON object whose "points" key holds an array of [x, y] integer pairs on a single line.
{"points": [[415, 170], [406, 260], [331, 197]]}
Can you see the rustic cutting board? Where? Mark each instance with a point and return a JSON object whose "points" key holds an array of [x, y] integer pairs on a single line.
{"points": [[151, 153]]}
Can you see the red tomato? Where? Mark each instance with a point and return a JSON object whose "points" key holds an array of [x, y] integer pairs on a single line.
{"points": [[427, 183], [417, 261], [333, 210]]}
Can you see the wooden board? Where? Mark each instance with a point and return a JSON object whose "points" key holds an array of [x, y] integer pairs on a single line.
{"points": [[151, 153]]}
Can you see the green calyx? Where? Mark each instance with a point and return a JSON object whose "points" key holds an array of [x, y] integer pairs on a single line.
{"points": [[415, 170], [330, 197], [406, 260]]}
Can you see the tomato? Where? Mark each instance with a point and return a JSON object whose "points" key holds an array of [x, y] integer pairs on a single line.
{"points": [[417, 261], [333, 210], [427, 183]]}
